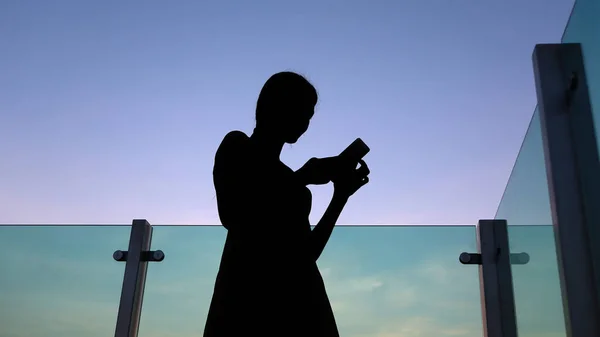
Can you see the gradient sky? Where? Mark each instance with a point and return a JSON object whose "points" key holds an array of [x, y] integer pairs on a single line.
{"points": [[112, 110]]}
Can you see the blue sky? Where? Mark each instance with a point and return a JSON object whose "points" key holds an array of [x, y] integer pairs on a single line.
{"points": [[113, 110]]}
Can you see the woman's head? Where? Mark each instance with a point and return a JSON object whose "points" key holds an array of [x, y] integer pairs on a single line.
{"points": [[285, 106]]}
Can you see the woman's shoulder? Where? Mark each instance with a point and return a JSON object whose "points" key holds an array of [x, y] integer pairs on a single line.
{"points": [[234, 141], [235, 138], [233, 149]]}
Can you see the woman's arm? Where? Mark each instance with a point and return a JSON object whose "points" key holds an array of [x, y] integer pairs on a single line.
{"points": [[322, 231], [344, 186]]}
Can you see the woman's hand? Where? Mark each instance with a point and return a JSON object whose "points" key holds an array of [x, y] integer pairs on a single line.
{"points": [[318, 171], [347, 183]]}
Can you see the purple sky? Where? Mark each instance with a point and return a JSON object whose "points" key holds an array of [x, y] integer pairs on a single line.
{"points": [[112, 110]]}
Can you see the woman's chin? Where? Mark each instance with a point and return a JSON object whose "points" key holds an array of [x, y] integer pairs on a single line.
{"points": [[292, 140]]}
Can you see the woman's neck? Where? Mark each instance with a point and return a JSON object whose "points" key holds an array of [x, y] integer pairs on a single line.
{"points": [[267, 143]]}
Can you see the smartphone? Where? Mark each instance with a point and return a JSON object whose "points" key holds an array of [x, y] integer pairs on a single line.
{"points": [[356, 151]]}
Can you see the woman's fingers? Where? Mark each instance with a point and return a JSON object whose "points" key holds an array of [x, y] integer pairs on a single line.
{"points": [[360, 182], [352, 181], [363, 170]]}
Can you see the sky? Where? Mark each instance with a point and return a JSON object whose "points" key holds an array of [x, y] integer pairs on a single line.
{"points": [[113, 110]]}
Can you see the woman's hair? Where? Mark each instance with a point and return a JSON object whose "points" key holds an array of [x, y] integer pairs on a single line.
{"points": [[280, 92]]}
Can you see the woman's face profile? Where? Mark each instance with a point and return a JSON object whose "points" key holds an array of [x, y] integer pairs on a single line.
{"points": [[297, 121]]}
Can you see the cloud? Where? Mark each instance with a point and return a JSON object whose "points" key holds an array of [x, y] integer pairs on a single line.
{"points": [[419, 299], [425, 326], [62, 317], [365, 284]]}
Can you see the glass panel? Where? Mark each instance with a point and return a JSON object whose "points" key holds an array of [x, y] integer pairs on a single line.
{"points": [[525, 203], [584, 28], [526, 200], [381, 280], [60, 280], [536, 284]]}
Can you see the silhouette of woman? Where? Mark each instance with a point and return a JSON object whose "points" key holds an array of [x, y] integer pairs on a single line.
{"points": [[268, 282]]}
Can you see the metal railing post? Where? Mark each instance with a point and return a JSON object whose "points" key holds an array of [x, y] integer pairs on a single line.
{"points": [[573, 173], [495, 277], [134, 280]]}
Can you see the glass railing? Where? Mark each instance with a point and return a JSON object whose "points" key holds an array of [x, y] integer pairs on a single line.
{"points": [[526, 199], [60, 281], [381, 280], [536, 285], [526, 207]]}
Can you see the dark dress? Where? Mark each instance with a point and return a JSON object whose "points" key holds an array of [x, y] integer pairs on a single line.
{"points": [[268, 282]]}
